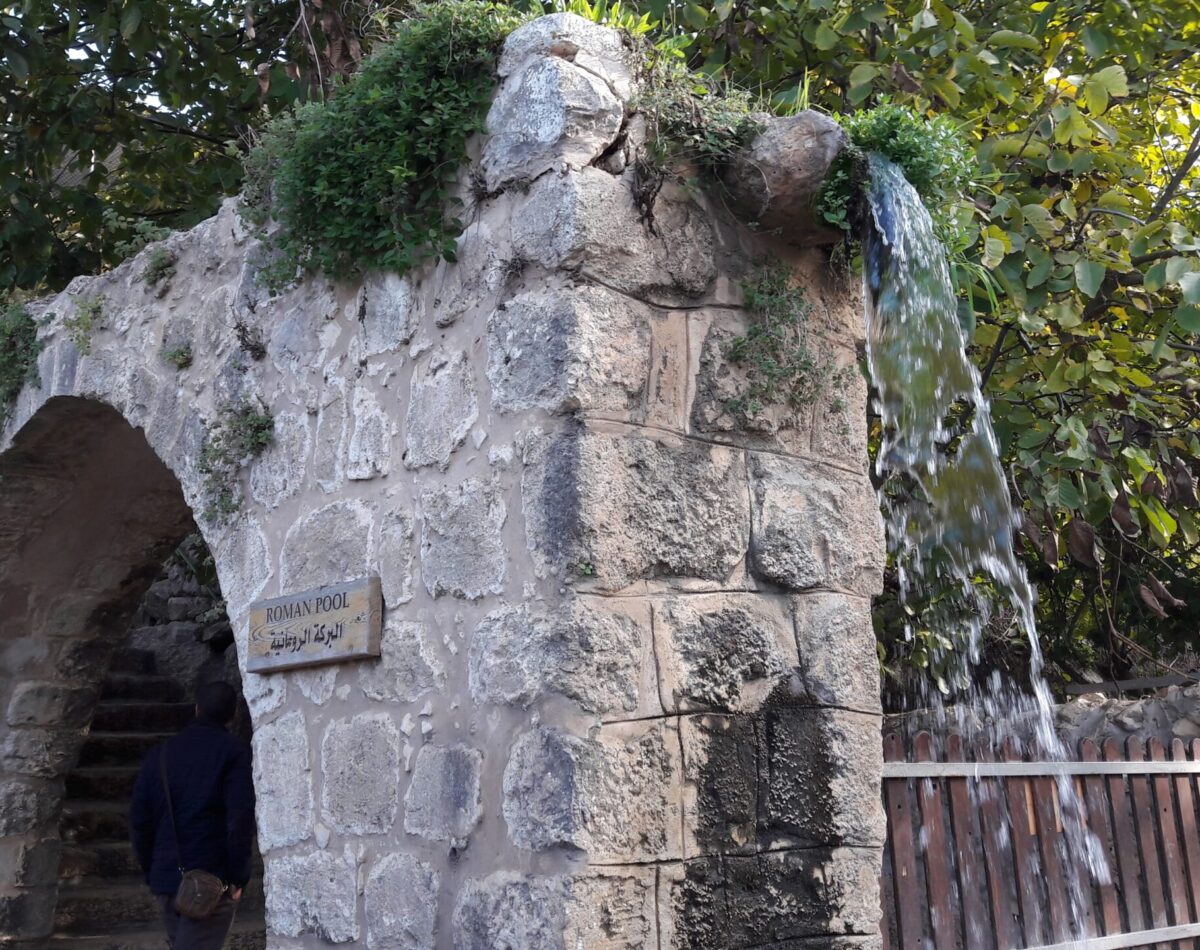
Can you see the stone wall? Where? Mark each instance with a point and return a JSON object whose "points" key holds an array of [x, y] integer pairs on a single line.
{"points": [[627, 695], [1166, 715]]}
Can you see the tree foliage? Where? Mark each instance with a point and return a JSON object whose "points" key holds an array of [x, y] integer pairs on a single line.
{"points": [[116, 115]]}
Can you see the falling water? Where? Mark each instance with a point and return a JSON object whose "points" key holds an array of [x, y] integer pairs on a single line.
{"points": [[946, 502]]}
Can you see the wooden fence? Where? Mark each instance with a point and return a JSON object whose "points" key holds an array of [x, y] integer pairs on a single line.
{"points": [[977, 858]]}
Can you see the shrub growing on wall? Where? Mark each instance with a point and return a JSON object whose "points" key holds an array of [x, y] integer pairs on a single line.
{"points": [[19, 348], [365, 180]]}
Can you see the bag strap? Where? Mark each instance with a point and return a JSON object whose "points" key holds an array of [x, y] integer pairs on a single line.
{"points": [[166, 784]]}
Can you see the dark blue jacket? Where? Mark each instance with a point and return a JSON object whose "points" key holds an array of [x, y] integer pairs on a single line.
{"points": [[212, 792]]}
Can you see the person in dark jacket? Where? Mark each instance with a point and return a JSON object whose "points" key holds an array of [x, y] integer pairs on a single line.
{"points": [[212, 794]]}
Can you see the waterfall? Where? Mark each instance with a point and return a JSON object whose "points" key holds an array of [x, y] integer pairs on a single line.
{"points": [[945, 498]]}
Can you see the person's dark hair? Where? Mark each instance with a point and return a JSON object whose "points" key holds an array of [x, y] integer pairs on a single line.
{"points": [[216, 702]]}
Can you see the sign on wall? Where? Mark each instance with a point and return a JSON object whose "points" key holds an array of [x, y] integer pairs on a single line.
{"points": [[327, 625]]}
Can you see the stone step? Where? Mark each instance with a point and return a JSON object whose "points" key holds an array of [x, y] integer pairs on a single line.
{"points": [[150, 689], [132, 660], [134, 716], [102, 782], [107, 860], [110, 860], [94, 822], [248, 933], [119, 748], [101, 908]]}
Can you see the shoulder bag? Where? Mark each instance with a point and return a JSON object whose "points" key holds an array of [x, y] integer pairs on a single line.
{"points": [[199, 891]]}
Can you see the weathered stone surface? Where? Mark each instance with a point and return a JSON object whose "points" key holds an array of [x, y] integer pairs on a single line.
{"points": [[588, 45], [29, 913], [561, 350], [771, 900], [834, 633], [443, 799], [720, 794], [723, 651], [462, 550], [326, 546], [589, 222], [441, 409], [623, 509], [283, 782], [312, 894], [819, 772], [50, 704], [510, 910], [245, 563], [279, 472], [773, 183], [328, 465], [815, 526], [588, 654], [386, 314], [548, 115], [401, 904], [395, 556], [407, 667], [614, 797], [40, 752], [36, 863], [26, 806], [360, 766], [369, 455]]}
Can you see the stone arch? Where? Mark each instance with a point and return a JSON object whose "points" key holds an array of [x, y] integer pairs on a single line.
{"points": [[88, 513], [627, 689]]}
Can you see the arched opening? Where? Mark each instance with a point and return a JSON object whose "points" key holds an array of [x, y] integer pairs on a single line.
{"points": [[91, 526]]}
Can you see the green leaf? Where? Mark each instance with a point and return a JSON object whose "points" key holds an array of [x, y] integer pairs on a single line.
{"points": [[1188, 318], [1088, 277], [131, 19], [1189, 283], [825, 38], [1013, 39]]}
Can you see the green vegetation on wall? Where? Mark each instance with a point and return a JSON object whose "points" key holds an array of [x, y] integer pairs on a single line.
{"points": [[19, 349], [239, 433], [365, 181]]}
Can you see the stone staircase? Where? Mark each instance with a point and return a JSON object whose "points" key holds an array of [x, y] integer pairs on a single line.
{"points": [[102, 902]]}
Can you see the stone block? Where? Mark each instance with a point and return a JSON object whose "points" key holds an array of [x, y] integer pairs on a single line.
{"points": [[589, 222], [408, 666], [720, 793], [28, 806], [618, 509], [462, 550], [370, 451], [836, 642], [51, 704], [548, 115], [278, 473], [395, 556], [839, 426], [587, 652], [28, 915], [589, 45], [283, 782], [386, 313], [328, 465], [360, 767], [770, 900], [45, 753], [443, 799], [36, 863], [819, 777], [327, 546], [313, 893], [723, 651], [401, 901], [442, 408], [566, 349], [615, 797], [615, 911], [815, 526]]}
